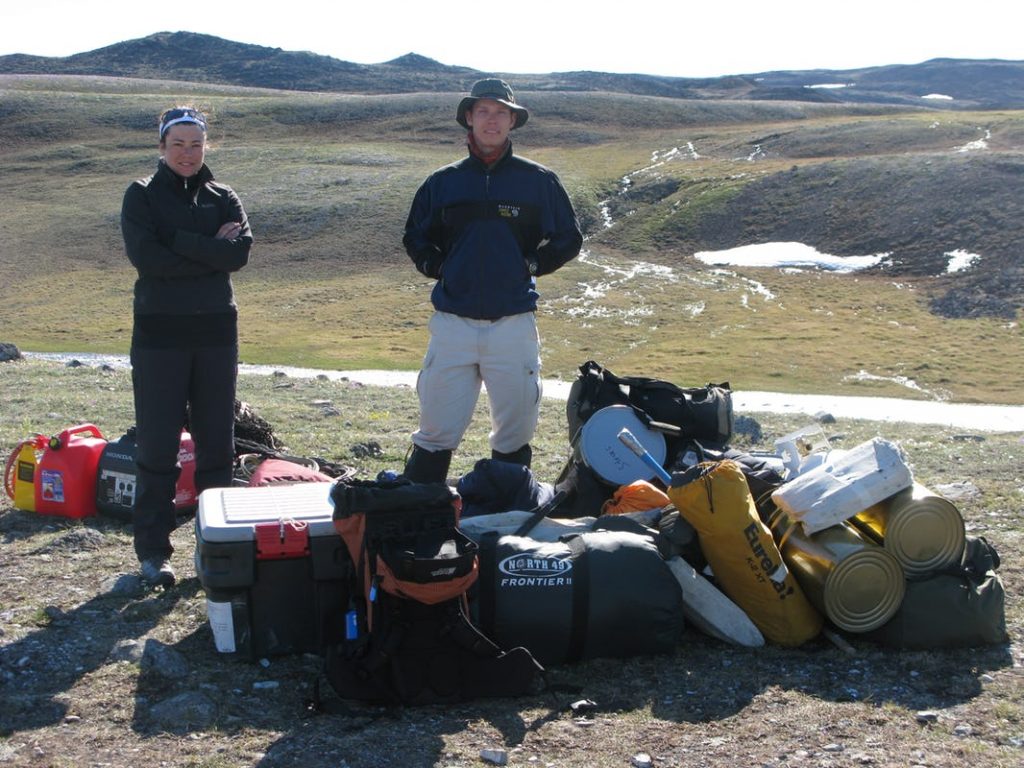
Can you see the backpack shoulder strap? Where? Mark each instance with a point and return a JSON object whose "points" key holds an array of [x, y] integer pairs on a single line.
{"points": [[580, 597], [541, 512], [486, 584]]}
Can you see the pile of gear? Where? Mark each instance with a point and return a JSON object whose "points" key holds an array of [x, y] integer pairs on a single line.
{"points": [[655, 523], [801, 539], [423, 592]]}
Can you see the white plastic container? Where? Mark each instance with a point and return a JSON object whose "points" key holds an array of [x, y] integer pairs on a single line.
{"points": [[799, 446], [845, 484]]}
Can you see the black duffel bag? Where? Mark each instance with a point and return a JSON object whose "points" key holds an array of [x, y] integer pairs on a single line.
{"points": [[590, 595], [703, 413]]}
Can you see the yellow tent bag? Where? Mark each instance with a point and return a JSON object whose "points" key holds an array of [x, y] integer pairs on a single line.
{"points": [[715, 499]]}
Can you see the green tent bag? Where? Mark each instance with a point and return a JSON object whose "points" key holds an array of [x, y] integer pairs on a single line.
{"points": [[957, 608]]}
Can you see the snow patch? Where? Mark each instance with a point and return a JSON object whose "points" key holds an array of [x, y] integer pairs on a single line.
{"points": [[977, 144], [759, 289], [584, 303], [786, 255], [959, 260], [903, 381], [633, 270], [937, 96]]}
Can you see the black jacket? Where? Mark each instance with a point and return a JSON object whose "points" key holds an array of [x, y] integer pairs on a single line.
{"points": [[169, 225], [486, 234]]}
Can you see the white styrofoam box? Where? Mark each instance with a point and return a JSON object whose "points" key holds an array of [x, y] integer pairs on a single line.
{"points": [[845, 484]]}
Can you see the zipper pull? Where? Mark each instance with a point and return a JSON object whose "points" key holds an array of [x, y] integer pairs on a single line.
{"points": [[351, 621], [374, 583]]}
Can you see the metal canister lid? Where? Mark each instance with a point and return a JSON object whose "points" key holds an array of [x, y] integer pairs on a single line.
{"points": [[925, 534], [864, 590], [602, 451]]}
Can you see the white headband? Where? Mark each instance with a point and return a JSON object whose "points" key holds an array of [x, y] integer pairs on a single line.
{"points": [[183, 119]]}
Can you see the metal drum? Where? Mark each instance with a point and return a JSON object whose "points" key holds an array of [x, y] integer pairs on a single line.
{"points": [[598, 446], [922, 530], [856, 583]]}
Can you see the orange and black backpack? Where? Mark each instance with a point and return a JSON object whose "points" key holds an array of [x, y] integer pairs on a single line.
{"points": [[408, 636]]}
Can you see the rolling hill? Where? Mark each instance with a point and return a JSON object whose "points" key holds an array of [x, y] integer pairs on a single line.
{"points": [[187, 56], [658, 169]]}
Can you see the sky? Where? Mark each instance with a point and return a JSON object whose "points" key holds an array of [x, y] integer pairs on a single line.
{"points": [[666, 37]]}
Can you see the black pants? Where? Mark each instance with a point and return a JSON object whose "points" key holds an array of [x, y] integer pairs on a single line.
{"points": [[167, 384]]}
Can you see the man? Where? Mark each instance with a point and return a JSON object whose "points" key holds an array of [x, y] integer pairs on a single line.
{"points": [[485, 227]]}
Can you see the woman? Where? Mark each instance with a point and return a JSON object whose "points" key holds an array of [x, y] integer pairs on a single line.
{"points": [[185, 234]]}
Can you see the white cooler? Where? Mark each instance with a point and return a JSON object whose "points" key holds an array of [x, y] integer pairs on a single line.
{"points": [[275, 570]]}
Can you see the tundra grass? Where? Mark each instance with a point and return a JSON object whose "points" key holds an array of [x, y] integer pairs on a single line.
{"points": [[47, 397], [806, 332], [327, 180]]}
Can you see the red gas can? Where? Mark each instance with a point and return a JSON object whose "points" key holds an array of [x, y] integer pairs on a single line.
{"points": [[66, 476], [185, 496]]}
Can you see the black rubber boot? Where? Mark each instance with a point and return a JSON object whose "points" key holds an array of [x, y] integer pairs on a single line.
{"points": [[522, 456], [425, 466]]}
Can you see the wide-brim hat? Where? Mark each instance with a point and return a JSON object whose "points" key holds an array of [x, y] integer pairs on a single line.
{"points": [[492, 88]]}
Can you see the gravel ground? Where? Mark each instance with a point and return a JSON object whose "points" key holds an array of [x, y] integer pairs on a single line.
{"points": [[97, 670]]}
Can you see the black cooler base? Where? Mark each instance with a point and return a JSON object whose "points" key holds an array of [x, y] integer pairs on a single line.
{"points": [[275, 572]]}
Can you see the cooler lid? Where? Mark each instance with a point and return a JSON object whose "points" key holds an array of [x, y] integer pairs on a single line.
{"points": [[231, 514]]}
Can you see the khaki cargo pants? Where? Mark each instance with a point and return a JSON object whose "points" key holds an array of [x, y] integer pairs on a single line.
{"points": [[504, 356]]}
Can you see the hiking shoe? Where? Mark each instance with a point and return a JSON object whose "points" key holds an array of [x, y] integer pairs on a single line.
{"points": [[158, 571]]}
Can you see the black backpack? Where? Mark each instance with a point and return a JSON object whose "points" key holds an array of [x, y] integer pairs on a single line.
{"points": [[703, 413], [408, 636]]}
